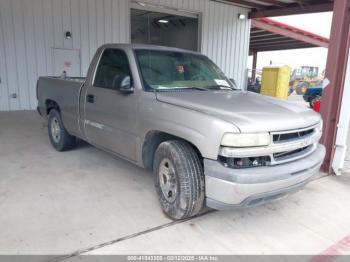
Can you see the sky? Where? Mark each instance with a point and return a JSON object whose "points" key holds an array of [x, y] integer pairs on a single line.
{"points": [[318, 23]]}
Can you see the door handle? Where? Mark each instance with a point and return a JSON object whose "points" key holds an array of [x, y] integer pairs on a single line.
{"points": [[90, 98]]}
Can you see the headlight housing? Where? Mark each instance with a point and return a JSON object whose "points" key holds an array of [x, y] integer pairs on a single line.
{"points": [[245, 162], [246, 140]]}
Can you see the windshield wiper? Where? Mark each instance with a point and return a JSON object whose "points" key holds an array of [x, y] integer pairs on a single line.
{"points": [[179, 88], [205, 88], [197, 88], [186, 88], [221, 87]]}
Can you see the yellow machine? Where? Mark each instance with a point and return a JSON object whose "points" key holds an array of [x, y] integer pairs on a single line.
{"points": [[304, 77], [275, 81]]}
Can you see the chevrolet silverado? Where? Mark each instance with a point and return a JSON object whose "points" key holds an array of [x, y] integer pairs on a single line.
{"points": [[174, 112]]}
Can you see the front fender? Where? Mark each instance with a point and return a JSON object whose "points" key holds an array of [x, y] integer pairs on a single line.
{"points": [[202, 130]]}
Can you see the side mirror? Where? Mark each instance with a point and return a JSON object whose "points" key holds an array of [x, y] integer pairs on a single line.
{"points": [[122, 83]]}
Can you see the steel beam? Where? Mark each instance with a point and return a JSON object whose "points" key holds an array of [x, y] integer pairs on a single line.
{"points": [[274, 2], [274, 42], [288, 33], [282, 47], [274, 37], [335, 71], [256, 31], [264, 35], [255, 59], [293, 10], [262, 32], [246, 3]]}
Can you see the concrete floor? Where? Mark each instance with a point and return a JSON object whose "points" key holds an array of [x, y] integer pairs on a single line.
{"points": [[88, 202]]}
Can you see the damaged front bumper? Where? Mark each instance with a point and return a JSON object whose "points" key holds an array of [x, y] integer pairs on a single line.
{"points": [[228, 188]]}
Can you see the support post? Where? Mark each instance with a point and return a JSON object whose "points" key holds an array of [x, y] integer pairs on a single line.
{"points": [[335, 71], [255, 59]]}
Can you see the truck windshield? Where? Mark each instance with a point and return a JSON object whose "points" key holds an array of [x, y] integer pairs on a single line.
{"points": [[168, 70]]}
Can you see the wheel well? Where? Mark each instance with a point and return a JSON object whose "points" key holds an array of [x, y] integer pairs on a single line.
{"points": [[50, 104], [152, 140]]}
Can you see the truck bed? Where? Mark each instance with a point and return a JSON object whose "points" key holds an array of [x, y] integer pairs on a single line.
{"points": [[64, 92], [75, 79]]}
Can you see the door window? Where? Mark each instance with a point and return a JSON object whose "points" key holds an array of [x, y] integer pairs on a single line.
{"points": [[113, 63]]}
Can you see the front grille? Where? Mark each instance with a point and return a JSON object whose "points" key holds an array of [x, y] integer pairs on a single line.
{"points": [[287, 146], [291, 154], [285, 137]]}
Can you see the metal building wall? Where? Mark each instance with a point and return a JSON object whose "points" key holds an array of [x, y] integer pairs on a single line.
{"points": [[29, 29]]}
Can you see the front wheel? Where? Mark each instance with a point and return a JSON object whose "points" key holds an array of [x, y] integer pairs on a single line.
{"points": [[179, 179], [60, 139]]}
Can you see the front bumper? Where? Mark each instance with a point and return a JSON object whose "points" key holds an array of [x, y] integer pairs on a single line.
{"points": [[229, 188]]}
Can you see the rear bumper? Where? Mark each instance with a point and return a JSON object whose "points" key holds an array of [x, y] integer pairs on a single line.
{"points": [[231, 188]]}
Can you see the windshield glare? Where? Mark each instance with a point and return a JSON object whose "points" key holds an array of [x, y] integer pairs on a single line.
{"points": [[164, 70]]}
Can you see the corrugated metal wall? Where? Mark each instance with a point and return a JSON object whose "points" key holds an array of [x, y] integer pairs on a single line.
{"points": [[29, 29]]}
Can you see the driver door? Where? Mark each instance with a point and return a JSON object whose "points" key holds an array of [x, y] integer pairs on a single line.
{"points": [[110, 116]]}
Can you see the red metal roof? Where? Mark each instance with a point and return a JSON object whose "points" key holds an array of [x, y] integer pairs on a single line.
{"points": [[268, 8], [268, 35], [294, 29]]}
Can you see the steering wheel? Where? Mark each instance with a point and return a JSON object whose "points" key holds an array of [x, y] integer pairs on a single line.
{"points": [[198, 77]]}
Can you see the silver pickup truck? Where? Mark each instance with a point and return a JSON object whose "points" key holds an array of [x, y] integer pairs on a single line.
{"points": [[175, 112]]}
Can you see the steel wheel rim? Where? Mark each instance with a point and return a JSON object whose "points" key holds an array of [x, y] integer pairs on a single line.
{"points": [[167, 180], [55, 130]]}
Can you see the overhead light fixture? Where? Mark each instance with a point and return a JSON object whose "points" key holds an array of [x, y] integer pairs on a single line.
{"points": [[68, 35], [241, 16], [163, 21]]}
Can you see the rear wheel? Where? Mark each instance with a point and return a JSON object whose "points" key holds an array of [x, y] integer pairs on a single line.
{"points": [[179, 179], [60, 139]]}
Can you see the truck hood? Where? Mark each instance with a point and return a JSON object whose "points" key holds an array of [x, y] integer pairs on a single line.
{"points": [[248, 111]]}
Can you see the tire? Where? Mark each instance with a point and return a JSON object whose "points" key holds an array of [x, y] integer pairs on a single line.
{"points": [[60, 139], [312, 100], [179, 179], [301, 88]]}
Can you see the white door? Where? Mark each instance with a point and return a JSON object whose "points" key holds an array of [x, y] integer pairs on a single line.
{"points": [[67, 60]]}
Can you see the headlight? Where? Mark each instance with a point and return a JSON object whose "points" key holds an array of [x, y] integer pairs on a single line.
{"points": [[246, 140]]}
